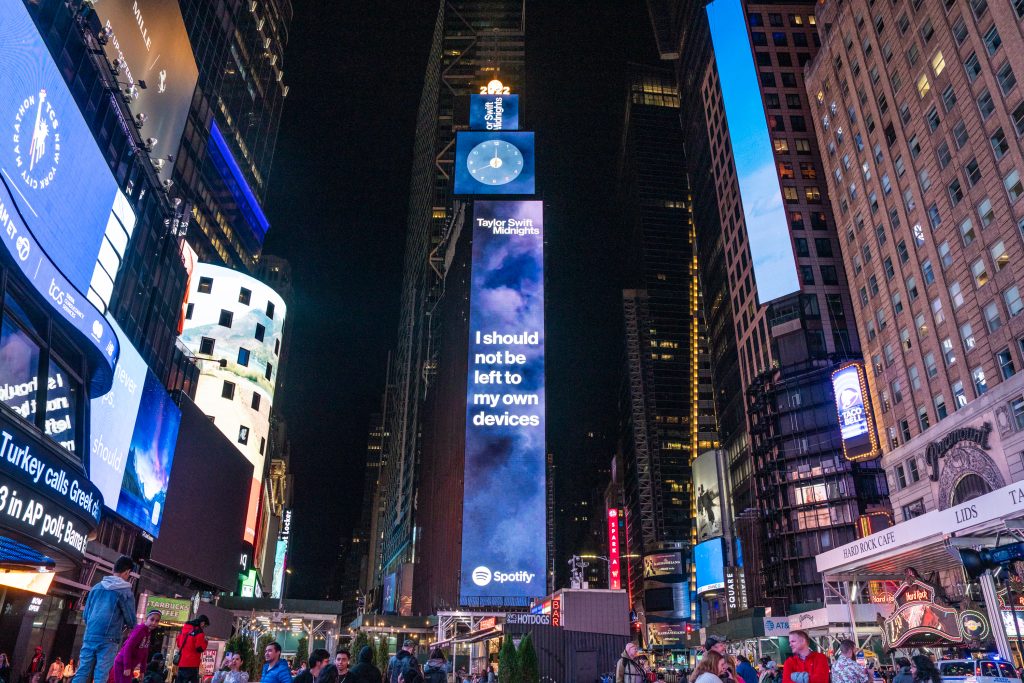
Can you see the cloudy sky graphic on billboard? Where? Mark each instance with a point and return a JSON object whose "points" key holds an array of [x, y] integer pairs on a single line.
{"points": [[504, 507]]}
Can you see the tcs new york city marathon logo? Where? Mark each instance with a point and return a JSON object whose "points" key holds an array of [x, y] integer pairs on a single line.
{"points": [[37, 141], [483, 576]]}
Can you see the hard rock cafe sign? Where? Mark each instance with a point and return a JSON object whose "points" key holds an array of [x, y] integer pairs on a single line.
{"points": [[922, 617]]}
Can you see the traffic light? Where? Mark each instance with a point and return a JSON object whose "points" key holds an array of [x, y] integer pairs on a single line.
{"points": [[977, 561]]}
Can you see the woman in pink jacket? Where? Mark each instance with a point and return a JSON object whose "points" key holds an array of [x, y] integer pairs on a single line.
{"points": [[135, 651]]}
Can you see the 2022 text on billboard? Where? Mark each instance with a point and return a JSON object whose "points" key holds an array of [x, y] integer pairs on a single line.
{"points": [[503, 554]]}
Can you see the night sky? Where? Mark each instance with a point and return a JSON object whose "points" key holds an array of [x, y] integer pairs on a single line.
{"points": [[338, 205]]}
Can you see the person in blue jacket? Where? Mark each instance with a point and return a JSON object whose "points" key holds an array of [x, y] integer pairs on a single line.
{"points": [[275, 669]]}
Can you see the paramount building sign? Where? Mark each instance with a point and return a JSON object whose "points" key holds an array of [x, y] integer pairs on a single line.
{"points": [[938, 449]]}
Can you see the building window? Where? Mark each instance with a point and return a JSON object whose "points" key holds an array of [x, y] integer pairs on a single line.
{"points": [[940, 406], [927, 271], [980, 273], [256, 400], [1007, 79], [948, 354], [980, 383], [972, 66], [270, 370], [973, 172], [1004, 359], [206, 345], [923, 422], [905, 430], [261, 332], [985, 212], [993, 320], [960, 135], [929, 364], [228, 390], [1000, 257], [956, 295], [946, 255], [967, 231], [914, 509], [243, 357], [1013, 301], [1013, 185], [189, 310], [992, 40], [959, 395], [270, 309], [244, 295], [243, 434], [226, 318], [937, 310], [205, 285], [985, 104], [967, 335], [901, 478]]}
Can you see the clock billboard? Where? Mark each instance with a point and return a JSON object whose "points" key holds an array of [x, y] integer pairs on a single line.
{"points": [[499, 162]]}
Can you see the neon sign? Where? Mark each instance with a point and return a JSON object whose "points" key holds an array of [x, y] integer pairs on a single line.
{"points": [[614, 571]]}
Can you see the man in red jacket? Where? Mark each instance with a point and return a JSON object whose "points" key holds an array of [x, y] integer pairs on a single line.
{"points": [[804, 665], [191, 644]]}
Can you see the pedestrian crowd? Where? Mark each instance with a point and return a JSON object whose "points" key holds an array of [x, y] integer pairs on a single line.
{"points": [[804, 665]]}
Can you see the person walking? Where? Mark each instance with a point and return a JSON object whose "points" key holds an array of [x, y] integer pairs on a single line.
{"points": [[628, 669], [56, 671], [135, 651], [35, 667], [923, 670], [401, 662], [804, 665], [232, 671], [846, 669], [319, 659], [275, 668], [69, 671], [364, 671], [435, 670], [745, 670], [709, 668], [903, 674], [109, 610], [191, 642]]}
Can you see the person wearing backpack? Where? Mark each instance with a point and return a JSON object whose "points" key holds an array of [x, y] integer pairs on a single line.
{"points": [[191, 642], [435, 670]]}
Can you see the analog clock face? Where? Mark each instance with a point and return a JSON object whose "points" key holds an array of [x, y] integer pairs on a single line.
{"points": [[495, 162]]}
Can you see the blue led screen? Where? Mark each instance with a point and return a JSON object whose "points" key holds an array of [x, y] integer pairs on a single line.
{"points": [[710, 564], [49, 160], [494, 163], [504, 509], [494, 112], [763, 210]]}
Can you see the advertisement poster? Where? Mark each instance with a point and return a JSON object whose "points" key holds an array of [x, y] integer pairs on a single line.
{"points": [[709, 496], [662, 564], [665, 635], [494, 163], [494, 112], [149, 43], [503, 555], [710, 565], [764, 212], [133, 434], [855, 420]]}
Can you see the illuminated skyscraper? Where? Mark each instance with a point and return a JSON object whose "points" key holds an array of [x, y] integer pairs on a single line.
{"points": [[223, 166], [779, 317], [668, 416], [474, 42]]}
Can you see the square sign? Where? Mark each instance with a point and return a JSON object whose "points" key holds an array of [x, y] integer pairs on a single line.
{"points": [[494, 163], [494, 112]]}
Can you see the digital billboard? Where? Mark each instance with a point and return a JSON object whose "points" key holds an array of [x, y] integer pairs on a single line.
{"points": [[504, 506], [663, 564], [710, 564], [494, 163], [56, 175], [666, 635], [494, 112], [389, 594], [708, 490], [133, 430], [614, 567], [763, 210], [234, 324], [856, 422], [149, 44], [281, 554]]}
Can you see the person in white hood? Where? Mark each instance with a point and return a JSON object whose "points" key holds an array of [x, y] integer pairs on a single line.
{"points": [[109, 610]]}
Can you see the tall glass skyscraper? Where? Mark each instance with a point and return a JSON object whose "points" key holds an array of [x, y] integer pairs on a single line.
{"points": [[474, 42]]}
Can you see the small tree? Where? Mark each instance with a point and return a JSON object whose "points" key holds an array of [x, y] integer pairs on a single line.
{"points": [[303, 651], [529, 667], [382, 654], [358, 643], [508, 662]]}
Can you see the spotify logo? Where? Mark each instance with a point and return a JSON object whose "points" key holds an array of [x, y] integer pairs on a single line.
{"points": [[481, 576]]}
